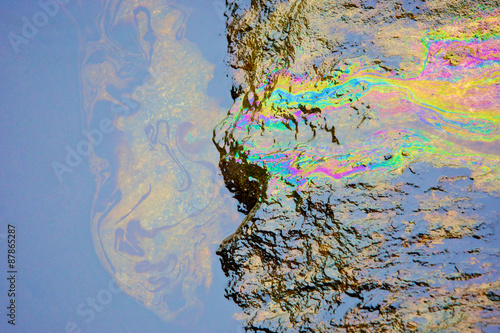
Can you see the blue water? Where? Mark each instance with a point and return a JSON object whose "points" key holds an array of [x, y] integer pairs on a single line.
{"points": [[41, 113]]}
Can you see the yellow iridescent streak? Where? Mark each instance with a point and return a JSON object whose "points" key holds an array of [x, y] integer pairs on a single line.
{"points": [[461, 106]]}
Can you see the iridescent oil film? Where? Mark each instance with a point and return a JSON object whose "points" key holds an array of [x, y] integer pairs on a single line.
{"points": [[278, 166]]}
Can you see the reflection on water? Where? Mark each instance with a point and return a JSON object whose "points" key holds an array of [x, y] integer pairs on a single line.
{"points": [[160, 209], [364, 146]]}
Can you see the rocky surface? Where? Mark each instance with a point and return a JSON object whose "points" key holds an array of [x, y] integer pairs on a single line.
{"points": [[363, 146]]}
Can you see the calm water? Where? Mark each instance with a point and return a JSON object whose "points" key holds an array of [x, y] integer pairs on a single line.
{"points": [[55, 82]]}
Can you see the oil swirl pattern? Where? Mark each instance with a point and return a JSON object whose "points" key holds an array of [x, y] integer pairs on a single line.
{"points": [[160, 209]]}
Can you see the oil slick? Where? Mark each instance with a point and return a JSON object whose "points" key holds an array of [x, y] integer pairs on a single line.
{"points": [[371, 130], [159, 211], [452, 105]]}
